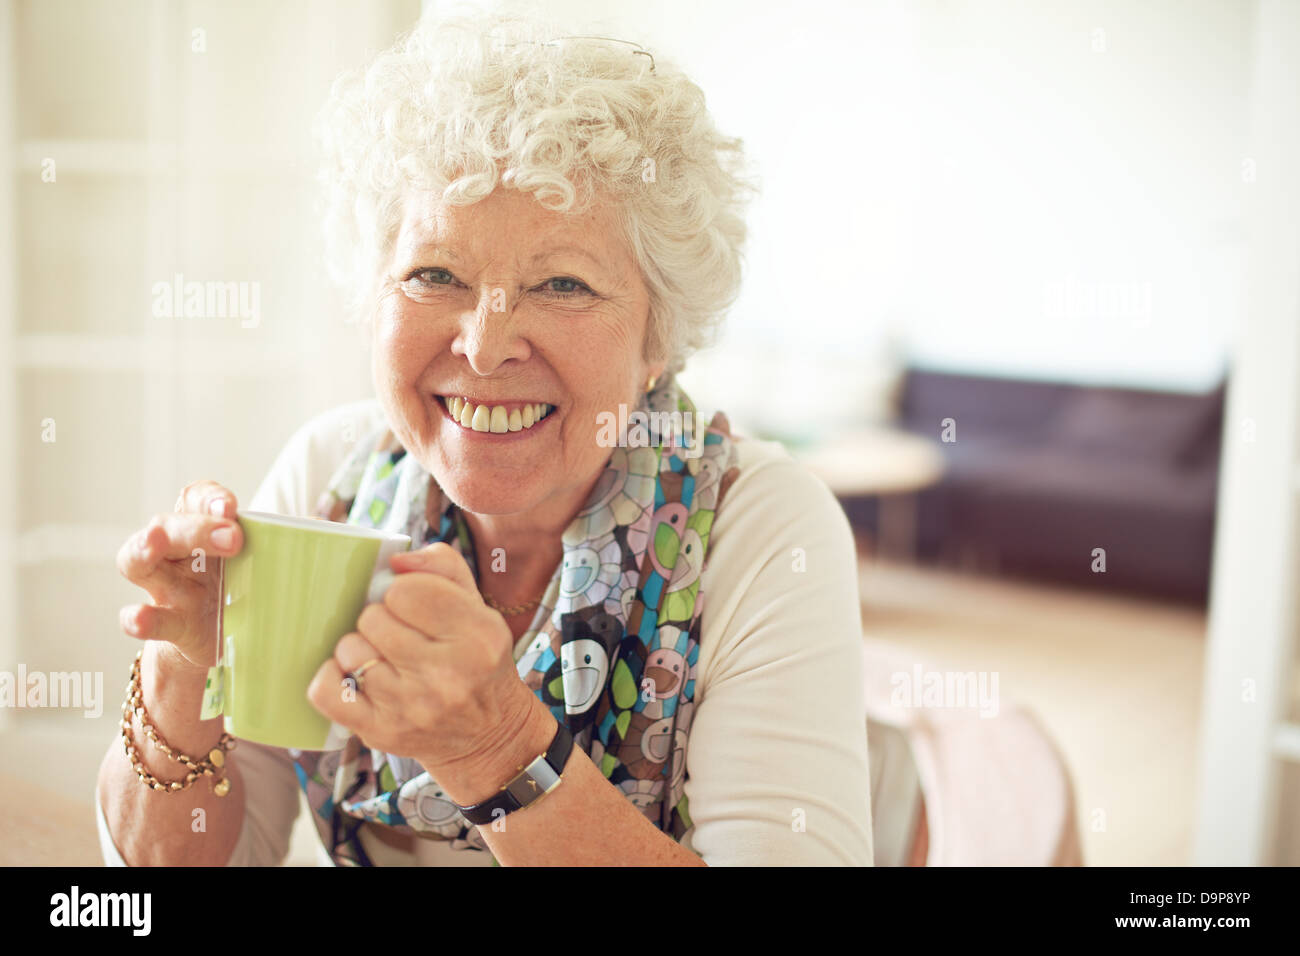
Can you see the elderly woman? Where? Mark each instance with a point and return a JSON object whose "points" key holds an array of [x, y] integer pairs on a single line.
{"points": [[538, 230]]}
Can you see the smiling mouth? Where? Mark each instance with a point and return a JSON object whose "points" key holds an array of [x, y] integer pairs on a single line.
{"points": [[496, 419]]}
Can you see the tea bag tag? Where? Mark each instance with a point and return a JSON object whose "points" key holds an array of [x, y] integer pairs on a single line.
{"points": [[214, 688], [214, 693]]}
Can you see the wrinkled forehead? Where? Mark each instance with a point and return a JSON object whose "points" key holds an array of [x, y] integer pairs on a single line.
{"points": [[507, 225]]}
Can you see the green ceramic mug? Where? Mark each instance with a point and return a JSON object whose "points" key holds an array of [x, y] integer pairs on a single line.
{"points": [[296, 587]]}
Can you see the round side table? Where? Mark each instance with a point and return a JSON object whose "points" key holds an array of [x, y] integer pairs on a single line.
{"points": [[889, 463]]}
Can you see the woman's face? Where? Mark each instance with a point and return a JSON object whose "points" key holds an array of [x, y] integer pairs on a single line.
{"points": [[507, 304]]}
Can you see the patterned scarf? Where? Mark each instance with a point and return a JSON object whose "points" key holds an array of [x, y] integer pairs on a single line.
{"points": [[612, 648]]}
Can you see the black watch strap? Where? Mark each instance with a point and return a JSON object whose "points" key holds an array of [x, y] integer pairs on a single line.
{"points": [[539, 777]]}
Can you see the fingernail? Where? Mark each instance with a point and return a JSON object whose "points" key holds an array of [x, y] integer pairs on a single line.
{"points": [[217, 506], [223, 538]]}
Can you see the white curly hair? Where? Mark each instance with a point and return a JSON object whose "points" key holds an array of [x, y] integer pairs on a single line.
{"points": [[467, 101]]}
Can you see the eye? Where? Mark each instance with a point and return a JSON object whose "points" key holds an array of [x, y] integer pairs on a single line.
{"points": [[429, 277], [565, 286]]}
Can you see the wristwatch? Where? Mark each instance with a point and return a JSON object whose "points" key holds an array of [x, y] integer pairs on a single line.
{"points": [[537, 778]]}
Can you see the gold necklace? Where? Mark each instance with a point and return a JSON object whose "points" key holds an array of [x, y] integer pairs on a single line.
{"points": [[516, 609]]}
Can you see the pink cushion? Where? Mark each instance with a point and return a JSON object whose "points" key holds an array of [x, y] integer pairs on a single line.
{"points": [[997, 792]]}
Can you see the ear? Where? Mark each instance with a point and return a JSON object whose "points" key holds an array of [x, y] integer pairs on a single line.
{"points": [[653, 370], [654, 357]]}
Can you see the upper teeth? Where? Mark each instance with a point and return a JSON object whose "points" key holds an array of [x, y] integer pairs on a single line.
{"points": [[495, 418]]}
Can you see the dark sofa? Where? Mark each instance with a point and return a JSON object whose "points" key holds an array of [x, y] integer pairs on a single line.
{"points": [[1043, 473]]}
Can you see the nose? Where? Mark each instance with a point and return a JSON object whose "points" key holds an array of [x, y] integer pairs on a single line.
{"points": [[489, 336]]}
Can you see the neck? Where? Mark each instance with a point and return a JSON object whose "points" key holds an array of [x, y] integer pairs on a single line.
{"points": [[517, 553]]}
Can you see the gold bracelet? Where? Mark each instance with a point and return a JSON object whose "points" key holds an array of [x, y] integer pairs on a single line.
{"points": [[210, 766]]}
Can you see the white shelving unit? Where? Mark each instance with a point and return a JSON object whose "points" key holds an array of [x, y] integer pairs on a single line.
{"points": [[169, 160], [9, 549]]}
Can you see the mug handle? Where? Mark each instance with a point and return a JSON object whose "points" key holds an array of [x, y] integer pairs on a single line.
{"points": [[379, 585]]}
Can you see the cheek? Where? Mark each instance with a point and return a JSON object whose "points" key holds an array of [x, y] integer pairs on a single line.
{"points": [[599, 385], [402, 346], [601, 388], [607, 361]]}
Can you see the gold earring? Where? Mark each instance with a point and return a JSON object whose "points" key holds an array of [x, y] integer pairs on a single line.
{"points": [[651, 384]]}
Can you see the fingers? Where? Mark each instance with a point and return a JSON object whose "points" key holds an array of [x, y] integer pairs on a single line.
{"points": [[207, 497], [178, 536], [353, 650], [152, 622], [432, 604], [439, 558], [141, 562], [389, 637], [146, 557], [169, 558], [149, 622], [340, 701], [426, 617]]}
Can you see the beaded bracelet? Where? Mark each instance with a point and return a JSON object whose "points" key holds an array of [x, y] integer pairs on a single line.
{"points": [[211, 766]]}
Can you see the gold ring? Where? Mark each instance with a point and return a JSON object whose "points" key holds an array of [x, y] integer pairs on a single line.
{"points": [[359, 675]]}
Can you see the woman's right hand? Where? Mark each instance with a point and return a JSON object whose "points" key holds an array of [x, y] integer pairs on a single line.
{"points": [[162, 559]]}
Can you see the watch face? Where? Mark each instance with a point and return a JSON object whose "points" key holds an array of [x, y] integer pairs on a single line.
{"points": [[533, 782]]}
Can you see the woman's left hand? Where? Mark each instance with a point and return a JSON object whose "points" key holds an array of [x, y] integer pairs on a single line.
{"points": [[445, 690]]}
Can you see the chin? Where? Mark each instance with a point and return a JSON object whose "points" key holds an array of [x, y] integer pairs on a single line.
{"points": [[488, 496], [480, 500]]}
